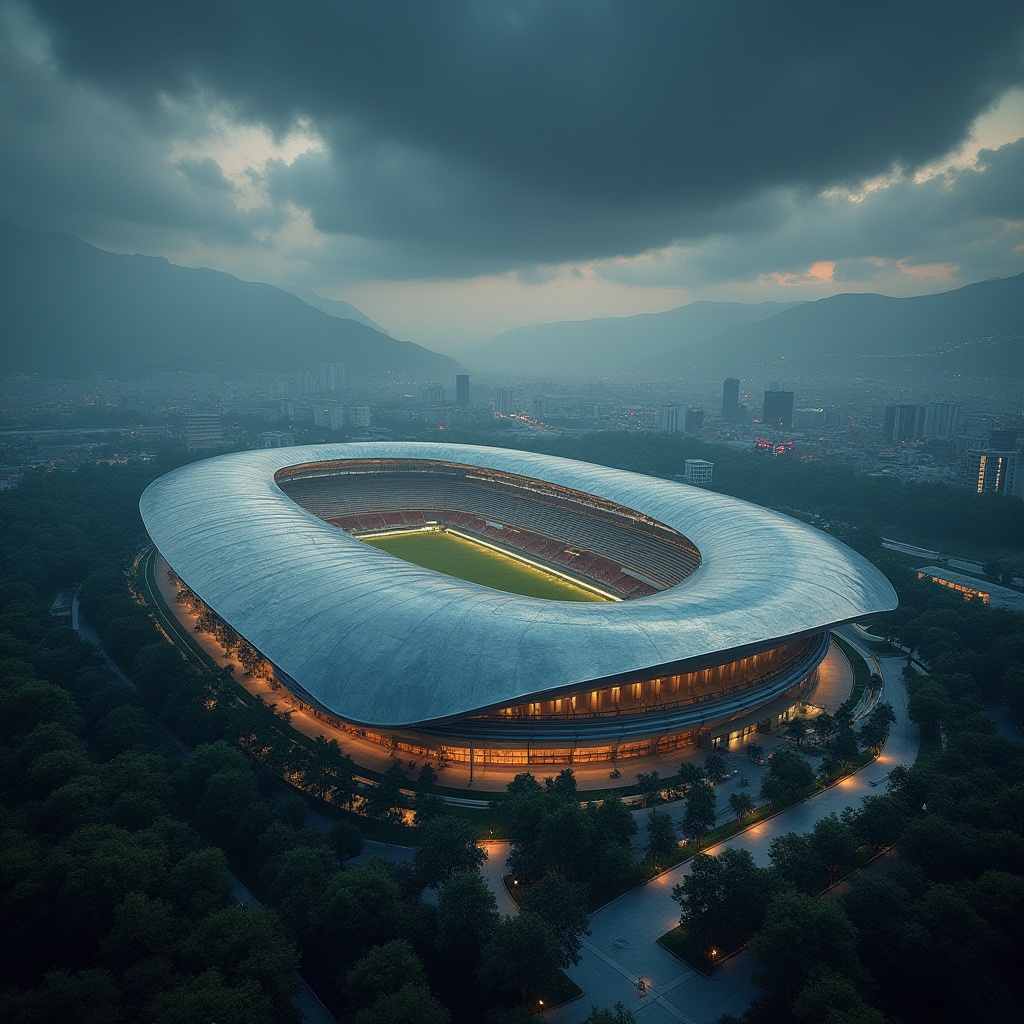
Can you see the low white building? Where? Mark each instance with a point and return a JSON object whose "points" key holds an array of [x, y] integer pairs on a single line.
{"points": [[698, 472]]}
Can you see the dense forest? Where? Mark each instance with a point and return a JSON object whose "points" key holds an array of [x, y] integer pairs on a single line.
{"points": [[117, 899]]}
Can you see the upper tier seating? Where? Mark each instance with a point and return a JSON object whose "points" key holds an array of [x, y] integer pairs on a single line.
{"points": [[594, 542]]}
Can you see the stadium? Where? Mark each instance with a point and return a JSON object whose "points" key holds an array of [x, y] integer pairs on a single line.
{"points": [[678, 616]]}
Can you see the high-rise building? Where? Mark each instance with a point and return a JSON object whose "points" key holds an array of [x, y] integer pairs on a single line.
{"points": [[332, 378], [462, 389], [670, 419], [693, 422], [904, 422], [505, 402], [1005, 439], [778, 409], [731, 400], [941, 419], [992, 472], [329, 414], [432, 394]]}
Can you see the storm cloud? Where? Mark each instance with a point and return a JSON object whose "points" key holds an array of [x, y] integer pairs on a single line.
{"points": [[482, 137]]}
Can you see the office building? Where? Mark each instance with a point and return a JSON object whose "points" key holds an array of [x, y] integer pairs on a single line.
{"points": [[731, 400], [693, 421], [778, 409], [332, 378], [669, 419], [992, 472], [202, 430], [941, 419], [904, 423], [462, 389]]}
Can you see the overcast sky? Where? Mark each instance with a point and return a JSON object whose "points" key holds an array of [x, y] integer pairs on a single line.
{"points": [[458, 169]]}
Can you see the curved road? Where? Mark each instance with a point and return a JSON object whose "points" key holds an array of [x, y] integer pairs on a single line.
{"points": [[622, 944]]}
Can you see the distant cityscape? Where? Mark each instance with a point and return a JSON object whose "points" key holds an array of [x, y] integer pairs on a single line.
{"points": [[961, 431]]}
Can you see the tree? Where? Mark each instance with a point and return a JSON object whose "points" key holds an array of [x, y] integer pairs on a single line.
{"points": [[427, 807], [829, 998], [613, 822], [427, 778], [520, 959], [929, 704], [563, 785], [384, 799], [755, 752], [661, 836], [447, 845], [345, 840], [723, 899], [564, 906], [798, 729], [797, 862], [879, 821], [825, 725], [742, 804], [385, 968], [699, 816], [466, 914], [788, 777], [565, 842], [410, 1004], [715, 769], [800, 932], [874, 731], [689, 774], [649, 785], [835, 844], [617, 1015]]}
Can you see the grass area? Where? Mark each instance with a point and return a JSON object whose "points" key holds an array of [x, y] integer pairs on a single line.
{"points": [[931, 745], [464, 560], [561, 990], [861, 669], [678, 943]]}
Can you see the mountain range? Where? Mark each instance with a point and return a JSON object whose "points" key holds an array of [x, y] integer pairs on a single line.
{"points": [[977, 329], [68, 309]]}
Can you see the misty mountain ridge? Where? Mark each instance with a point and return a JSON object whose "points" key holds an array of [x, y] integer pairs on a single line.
{"points": [[976, 329], [68, 309], [614, 344], [334, 307], [852, 329]]}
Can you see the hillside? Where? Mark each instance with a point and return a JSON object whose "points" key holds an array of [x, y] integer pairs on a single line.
{"points": [[68, 309], [612, 344], [852, 330]]}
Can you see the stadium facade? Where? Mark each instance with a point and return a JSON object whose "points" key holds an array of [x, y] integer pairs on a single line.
{"points": [[718, 618]]}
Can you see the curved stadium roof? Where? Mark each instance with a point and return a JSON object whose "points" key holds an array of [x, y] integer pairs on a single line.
{"points": [[384, 642]]}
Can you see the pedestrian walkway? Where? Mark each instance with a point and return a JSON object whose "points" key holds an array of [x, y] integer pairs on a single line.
{"points": [[622, 947]]}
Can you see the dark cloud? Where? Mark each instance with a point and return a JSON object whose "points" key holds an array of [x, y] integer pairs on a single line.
{"points": [[969, 218], [542, 132], [74, 161]]}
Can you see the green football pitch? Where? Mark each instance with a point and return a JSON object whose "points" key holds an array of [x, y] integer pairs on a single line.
{"points": [[465, 560]]}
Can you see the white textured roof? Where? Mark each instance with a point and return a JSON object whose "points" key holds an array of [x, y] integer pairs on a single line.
{"points": [[383, 642]]}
